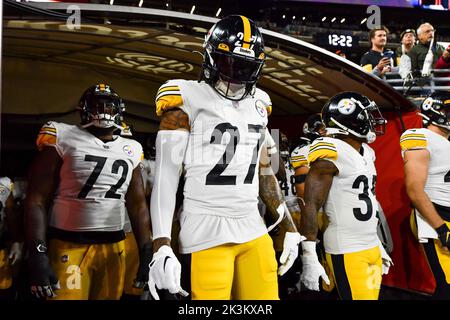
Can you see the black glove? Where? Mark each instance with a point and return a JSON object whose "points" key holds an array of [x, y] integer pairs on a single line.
{"points": [[145, 257], [444, 235], [42, 278]]}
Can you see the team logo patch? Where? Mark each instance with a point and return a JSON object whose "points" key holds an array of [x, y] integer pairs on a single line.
{"points": [[260, 107], [426, 105], [128, 151], [64, 258], [2, 190], [346, 106]]}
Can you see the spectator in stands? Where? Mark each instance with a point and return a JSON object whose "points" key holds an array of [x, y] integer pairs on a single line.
{"points": [[425, 33], [444, 63], [375, 60], [407, 41]]}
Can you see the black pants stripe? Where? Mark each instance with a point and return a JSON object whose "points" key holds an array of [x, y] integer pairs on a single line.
{"points": [[342, 284]]}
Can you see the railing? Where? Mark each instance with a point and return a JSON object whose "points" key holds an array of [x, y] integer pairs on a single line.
{"points": [[417, 85]]}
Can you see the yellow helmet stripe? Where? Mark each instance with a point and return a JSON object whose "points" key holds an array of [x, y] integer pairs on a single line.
{"points": [[247, 32]]}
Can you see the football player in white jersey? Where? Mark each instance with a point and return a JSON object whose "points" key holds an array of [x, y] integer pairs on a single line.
{"points": [[84, 176], [10, 234], [426, 154], [313, 128], [342, 180], [215, 130]]}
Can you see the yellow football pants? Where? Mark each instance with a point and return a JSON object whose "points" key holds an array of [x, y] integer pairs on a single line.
{"points": [[357, 275], [88, 271], [246, 271], [438, 259], [131, 265], [5, 270]]}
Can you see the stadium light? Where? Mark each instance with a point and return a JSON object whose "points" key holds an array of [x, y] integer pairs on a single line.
{"points": [[193, 9], [140, 3], [293, 18], [363, 20], [284, 16], [342, 20], [324, 18], [218, 12], [333, 20], [304, 18], [167, 4], [111, 2]]}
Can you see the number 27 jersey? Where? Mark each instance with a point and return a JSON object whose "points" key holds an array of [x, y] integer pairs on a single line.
{"points": [[94, 178], [221, 163]]}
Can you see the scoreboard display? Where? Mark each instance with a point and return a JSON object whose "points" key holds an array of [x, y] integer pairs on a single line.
{"points": [[336, 40]]}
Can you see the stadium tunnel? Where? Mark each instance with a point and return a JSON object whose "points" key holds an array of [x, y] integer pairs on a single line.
{"points": [[48, 64]]}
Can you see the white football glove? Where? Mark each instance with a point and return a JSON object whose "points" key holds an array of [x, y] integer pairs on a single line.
{"points": [[312, 269], [386, 260], [165, 273], [15, 252], [290, 251]]}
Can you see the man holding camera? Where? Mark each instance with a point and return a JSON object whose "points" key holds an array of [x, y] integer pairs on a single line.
{"points": [[425, 34], [377, 60]]}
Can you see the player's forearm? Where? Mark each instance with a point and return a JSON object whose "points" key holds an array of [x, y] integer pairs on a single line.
{"points": [[423, 204], [170, 149], [271, 195], [308, 222], [317, 185], [35, 221], [140, 222]]}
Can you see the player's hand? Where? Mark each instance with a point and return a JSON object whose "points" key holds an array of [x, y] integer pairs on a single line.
{"points": [[444, 235], [312, 269], [15, 252], [43, 280], [290, 251], [165, 273], [386, 259], [387, 263], [145, 257]]}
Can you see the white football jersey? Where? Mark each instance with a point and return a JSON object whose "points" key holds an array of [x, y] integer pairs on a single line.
{"points": [[94, 178], [437, 186], [6, 187], [299, 157], [221, 163], [351, 204], [288, 187]]}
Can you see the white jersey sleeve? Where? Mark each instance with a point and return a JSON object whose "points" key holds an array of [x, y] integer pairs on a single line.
{"points": [[438, 181], [299, 157]]}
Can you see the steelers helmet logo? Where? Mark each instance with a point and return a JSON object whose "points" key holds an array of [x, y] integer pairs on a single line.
{"points": [[128, 151], [346, 106], [260, 107], [2, 190], [428, 102]]}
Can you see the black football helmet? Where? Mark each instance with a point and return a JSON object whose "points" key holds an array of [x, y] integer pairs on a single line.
{"points": [[314, 127], [234, 57], [352, 113], [435, 109], [102, 107]]}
